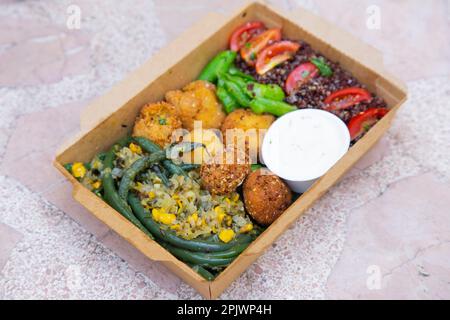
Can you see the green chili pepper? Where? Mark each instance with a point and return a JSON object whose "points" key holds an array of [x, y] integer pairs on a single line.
{"points": [[256, 166], [238, 93], [323, 67], [236, 79], [267, 91], [234, 71], [228, 102], [219, 64], [278, 108]]}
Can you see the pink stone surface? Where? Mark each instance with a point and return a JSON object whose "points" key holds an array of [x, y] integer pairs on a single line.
{"points": [[389, 212], [9, 237], [406, 234], [39, 53]]}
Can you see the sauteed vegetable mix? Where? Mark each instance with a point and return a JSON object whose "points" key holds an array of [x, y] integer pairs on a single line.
{"points": [[206, 212]]}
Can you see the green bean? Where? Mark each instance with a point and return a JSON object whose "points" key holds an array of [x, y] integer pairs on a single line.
{"points": [[220, 63], [161, 175], [171, 238], [146, 144], [110, 193], [68, 167], [138, 166], [202, 272], [230, 253], [197, 258], [150, 147], [189, 166]]}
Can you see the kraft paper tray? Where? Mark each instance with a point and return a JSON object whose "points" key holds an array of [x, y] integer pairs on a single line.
{"points": [[112, 116]]}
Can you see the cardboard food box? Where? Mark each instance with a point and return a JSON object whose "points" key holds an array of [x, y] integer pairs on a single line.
{"points": [[112, 116]]}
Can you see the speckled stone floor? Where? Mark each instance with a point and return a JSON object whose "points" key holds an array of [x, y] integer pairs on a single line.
{"points": [[382, 232]]}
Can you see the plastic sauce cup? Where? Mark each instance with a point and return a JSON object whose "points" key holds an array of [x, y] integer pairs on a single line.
{"points": [[303, 145]]}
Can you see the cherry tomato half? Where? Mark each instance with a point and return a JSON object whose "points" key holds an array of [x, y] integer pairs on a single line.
{"points": [[251, 49], [363, 121], [345, 98], [300, 75], [275, 54], [244, 33]]}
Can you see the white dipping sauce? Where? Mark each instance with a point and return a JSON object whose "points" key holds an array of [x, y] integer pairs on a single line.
{"points": [[303, 145]]}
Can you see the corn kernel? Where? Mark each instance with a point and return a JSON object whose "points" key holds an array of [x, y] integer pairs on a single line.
{"points": [[78, 170], [193, 218], [226, 235], [151, 195], [180, 206], [135, 148], [176, 227], [97, 184], [167, 218], [236, 197], [156, 214], [247, 228], [229, 220]]}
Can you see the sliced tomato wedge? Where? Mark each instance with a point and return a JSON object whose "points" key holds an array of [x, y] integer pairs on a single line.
{"points": [[300, 75], [362, 122], [346, 98], [251, 49], [244, 33], [275, 54]]}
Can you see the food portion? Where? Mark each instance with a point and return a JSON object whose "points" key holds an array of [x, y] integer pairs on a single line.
{"points": [[310, 80], [247, 129], [225, 172], [198, 190], [266, 196], [156, 122], [197, 102]]}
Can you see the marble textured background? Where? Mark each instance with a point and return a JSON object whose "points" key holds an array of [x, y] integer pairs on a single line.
{"points": [[390, 215]]}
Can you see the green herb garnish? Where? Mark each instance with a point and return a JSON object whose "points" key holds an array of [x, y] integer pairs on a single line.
{"points": [[323, 67], [162, 121]]}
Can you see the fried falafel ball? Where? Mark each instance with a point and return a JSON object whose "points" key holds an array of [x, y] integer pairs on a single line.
{"points": [[250, 130], [224, 176], [266, 196], [156, 122], [197, 102]]}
